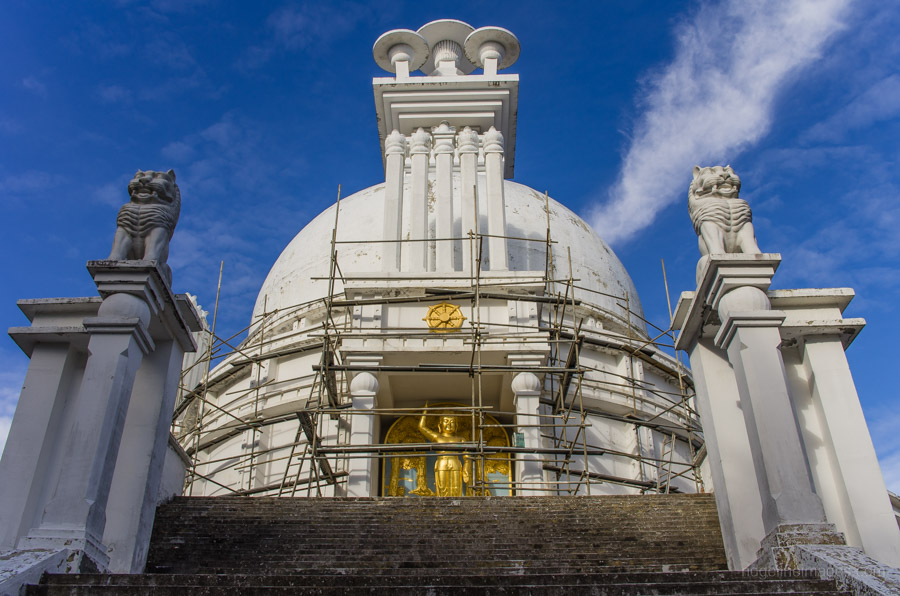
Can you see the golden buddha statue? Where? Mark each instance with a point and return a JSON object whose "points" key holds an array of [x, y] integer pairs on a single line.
{"points": [[449, 474]]}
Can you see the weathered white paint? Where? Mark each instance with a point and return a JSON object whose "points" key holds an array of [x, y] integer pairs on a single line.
{"points": [[300, 273], [783, 351]]}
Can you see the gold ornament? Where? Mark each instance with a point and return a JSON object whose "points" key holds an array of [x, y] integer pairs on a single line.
{"points": [[444, 317]]}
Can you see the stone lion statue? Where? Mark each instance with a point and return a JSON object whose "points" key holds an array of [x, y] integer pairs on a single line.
{"points": [[145, 225], [723, 222]]}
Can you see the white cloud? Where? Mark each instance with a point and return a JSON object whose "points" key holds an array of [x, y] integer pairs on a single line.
{"points": [[30, 181], [113, 194], [878, 103], [313, 25], [179, 151], [713, 100]]}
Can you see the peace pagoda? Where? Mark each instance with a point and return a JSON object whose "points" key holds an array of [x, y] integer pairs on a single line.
{"points": [[450, 291], [448, 385]]}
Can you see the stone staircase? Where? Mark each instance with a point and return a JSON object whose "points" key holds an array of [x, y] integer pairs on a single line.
{"points": [[622, 545]]}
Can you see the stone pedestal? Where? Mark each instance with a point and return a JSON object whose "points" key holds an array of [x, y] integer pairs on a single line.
{"points": [[790, 455], [756, 456], [56, 344], [75, 514], [842, 459], [74, 418], [731, 462], [750, 336]]}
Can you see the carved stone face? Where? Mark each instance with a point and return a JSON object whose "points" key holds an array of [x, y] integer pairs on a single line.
{"points": [[447, 425], [715, 181], [152, 187]]}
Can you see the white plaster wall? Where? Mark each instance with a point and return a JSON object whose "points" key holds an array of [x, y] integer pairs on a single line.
{"points": [[291, 283]]}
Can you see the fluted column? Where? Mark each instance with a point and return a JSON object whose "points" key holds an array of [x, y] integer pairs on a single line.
{"points": [[496, 208], [395, 156], [443, 158], [467, 144], [420, 148]]}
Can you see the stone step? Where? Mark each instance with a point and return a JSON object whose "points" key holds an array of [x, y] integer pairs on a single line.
{"points": [[564, 534], [654, 583], [459, 574], [617, 545], [558, 587]]}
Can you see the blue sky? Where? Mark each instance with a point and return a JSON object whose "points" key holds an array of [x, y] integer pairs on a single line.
{"points": [[263, 109]]}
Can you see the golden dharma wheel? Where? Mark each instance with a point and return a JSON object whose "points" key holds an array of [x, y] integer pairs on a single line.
{"points": [[444, 317]]}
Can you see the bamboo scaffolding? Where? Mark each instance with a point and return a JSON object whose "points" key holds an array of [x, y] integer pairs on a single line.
{"points": [[316, 453]]}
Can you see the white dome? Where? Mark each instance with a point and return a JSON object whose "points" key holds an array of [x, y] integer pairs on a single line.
{"points": [[594, 265]]}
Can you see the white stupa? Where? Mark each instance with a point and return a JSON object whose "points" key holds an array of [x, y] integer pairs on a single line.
{"points": [[434, 292]]}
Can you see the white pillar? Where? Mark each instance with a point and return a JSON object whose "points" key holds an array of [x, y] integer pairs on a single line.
{"points": [[395, 157], [526, 388], [467, 145], [858, 483], [728, 447], [420, 149], [363, 466], [142, 454], [751, 337], [443, 195], [76, 513], [496, 207], [31, 445]]}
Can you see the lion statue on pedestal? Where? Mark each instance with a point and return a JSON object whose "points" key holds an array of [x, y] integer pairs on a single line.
{"points": [[145, 225], [723, 222]]}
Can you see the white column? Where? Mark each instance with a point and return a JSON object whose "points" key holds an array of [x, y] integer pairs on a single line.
{"points": [[859, 485], [76, 513], [395, 157], [751, 337], [496, 206], [142, 454], [32, 441], [363, 467], [526, 388], [467, 144], [419, 150], [730, 461], [443, 195]]}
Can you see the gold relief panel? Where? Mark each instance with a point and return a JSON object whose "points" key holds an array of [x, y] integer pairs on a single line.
{"points": [[446, 474]]}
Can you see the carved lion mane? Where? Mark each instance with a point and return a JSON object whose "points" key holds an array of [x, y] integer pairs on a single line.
{"points": [[145, 226], [723, 222], [721, 219]]}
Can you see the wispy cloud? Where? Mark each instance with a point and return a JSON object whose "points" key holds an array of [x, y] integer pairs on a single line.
{"points": [[234, 208], [35, 86], [712, 100], [30, 181], [114, 94], [294, 28], [169, 51], [95, 40], [878, 103]]}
